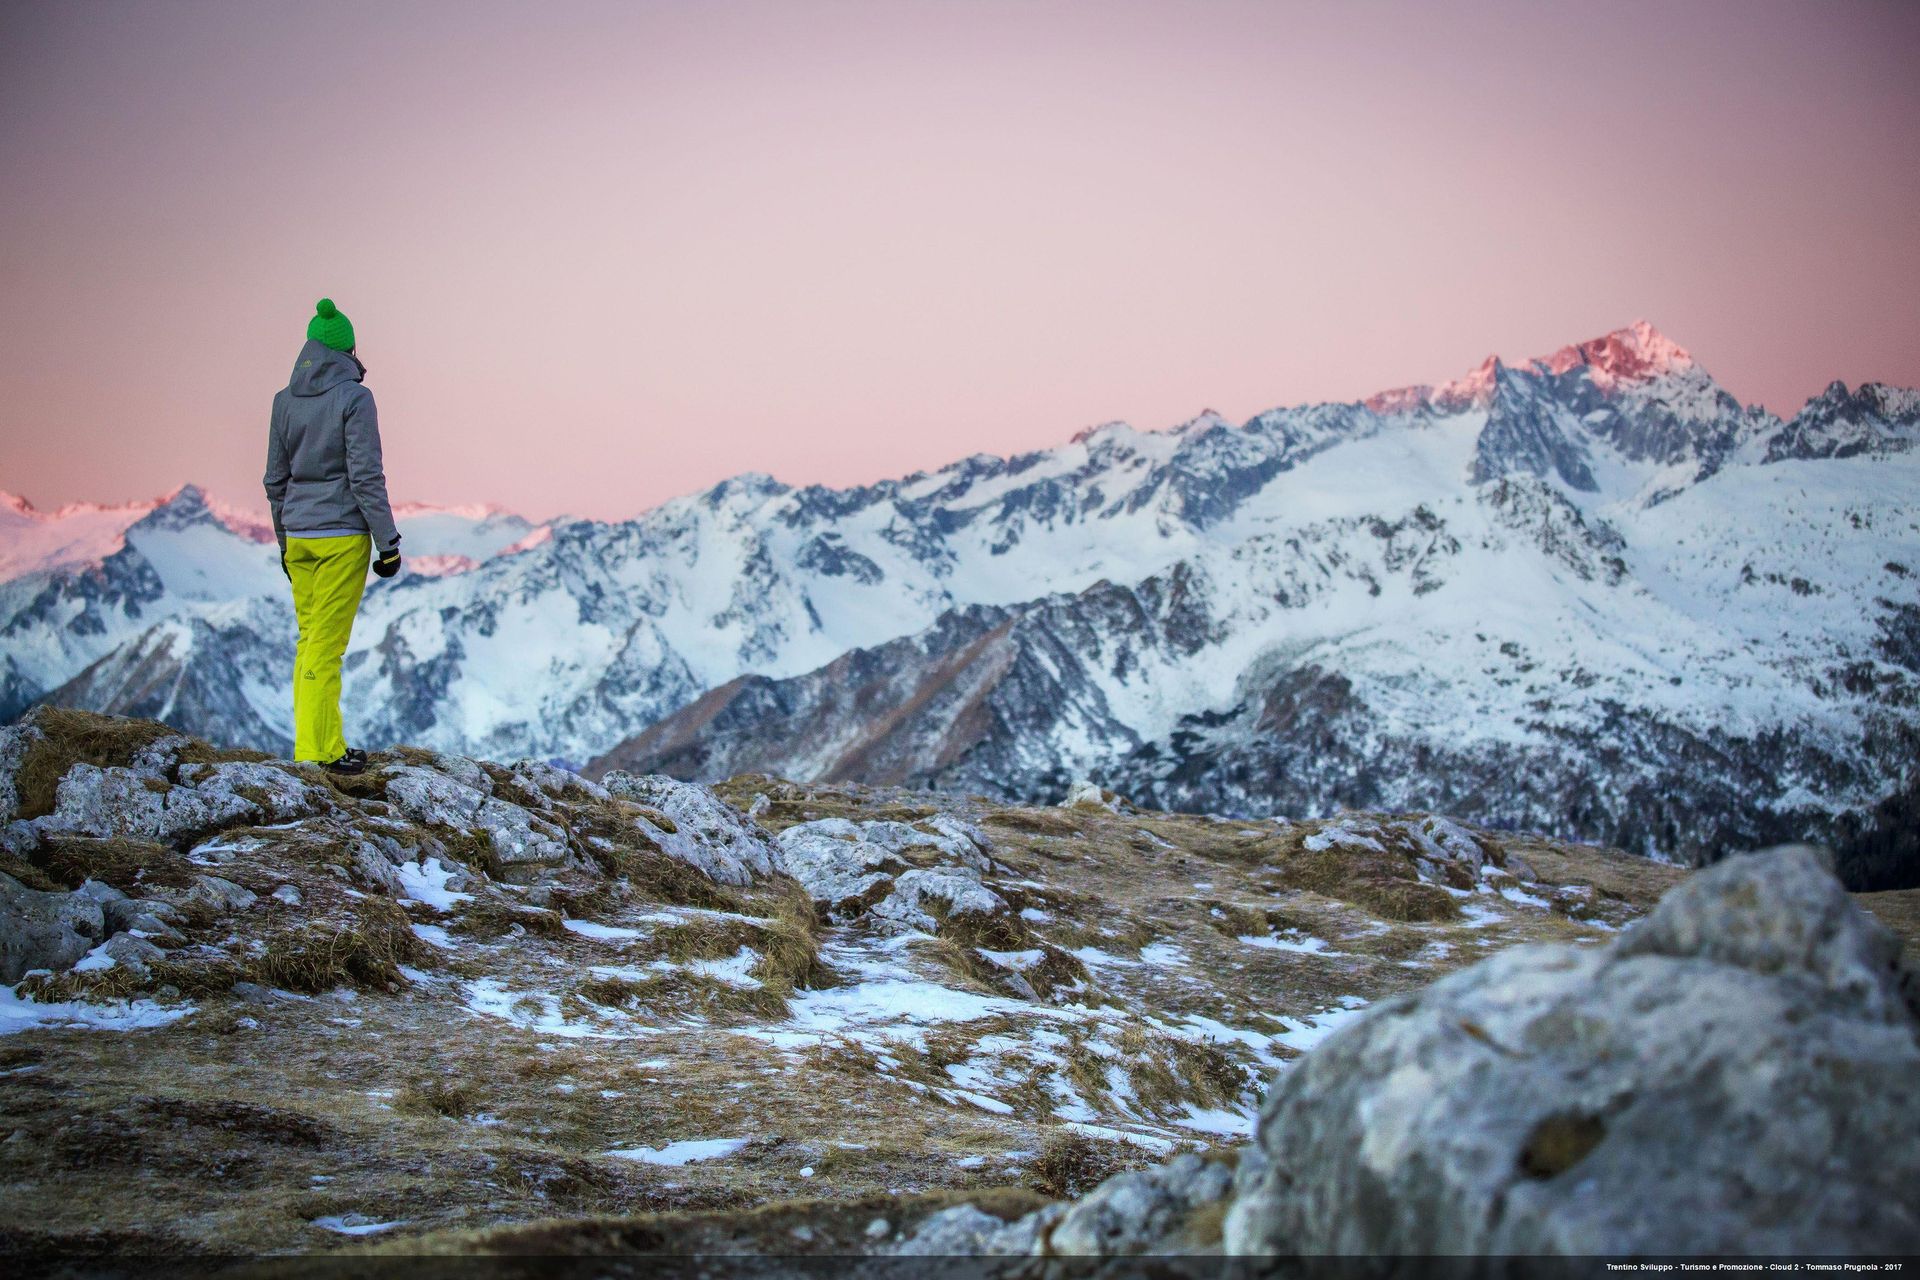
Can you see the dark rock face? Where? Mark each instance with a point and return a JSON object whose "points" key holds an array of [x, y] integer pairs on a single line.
{"points": [[1528, 432], [192, 672], [965, 706], [1732, 1076], [1842, 424], [1632, 780]]}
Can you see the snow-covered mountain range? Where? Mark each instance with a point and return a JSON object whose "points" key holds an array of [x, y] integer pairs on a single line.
{"points": [[1590, 593]]}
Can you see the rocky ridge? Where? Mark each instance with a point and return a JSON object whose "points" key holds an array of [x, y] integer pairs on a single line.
{"points": [[466, 1006]]}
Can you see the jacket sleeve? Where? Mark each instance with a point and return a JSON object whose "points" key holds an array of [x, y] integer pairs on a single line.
{"points": [[365, 475], [278, 472]]}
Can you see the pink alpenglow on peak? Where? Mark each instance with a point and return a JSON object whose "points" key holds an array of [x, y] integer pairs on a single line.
{"points": [[1474, 390], [79, 533], [1638, 353], [1400, 400]]}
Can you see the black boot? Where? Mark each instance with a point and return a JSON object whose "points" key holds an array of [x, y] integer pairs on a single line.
{"points": [[350, 763]]}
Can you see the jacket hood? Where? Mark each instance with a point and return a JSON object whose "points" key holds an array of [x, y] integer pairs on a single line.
{"points": [[319, 369]]}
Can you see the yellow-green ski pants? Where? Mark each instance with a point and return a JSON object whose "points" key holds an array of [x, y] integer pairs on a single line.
{"points": [[328, 576]]}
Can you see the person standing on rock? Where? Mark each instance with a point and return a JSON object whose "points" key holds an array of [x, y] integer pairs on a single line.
{"points": [[329, 498]]}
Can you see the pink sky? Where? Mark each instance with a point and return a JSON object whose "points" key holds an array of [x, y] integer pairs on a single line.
{"points": [[598, 255]]}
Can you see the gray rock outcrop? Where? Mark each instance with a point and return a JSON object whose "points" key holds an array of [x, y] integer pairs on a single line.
{"points": [[518, 842], [45, 930], [708, 833], [133, 805], [275, 792], [964, 1231], [1146, 1211], [15, 741], [1733, 1075], [840, 861]]}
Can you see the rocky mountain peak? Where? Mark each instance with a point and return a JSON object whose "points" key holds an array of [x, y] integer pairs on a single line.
{"points": [[1087, 434], [1637, 353], [1473, 390]]}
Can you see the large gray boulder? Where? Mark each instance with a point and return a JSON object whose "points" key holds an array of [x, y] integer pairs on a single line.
{"points": [[708, 833], [15, 741], [841, 863], [129, 804], [276, 792], [965, 1231], [45, 930], [832, 861], [1778, 913], [519, 842], [1145, 1211], [922, 899], [1734, 1075]]}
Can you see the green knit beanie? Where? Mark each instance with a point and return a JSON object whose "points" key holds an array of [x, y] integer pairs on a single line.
{"points": [[331, 326]]}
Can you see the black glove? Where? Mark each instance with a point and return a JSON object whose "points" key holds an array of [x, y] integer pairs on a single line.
{"points": [[389, 562], [283, 564]]}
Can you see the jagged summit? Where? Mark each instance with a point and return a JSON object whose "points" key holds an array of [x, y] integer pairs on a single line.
{"points": [[1115, 426], [1637, 353]]}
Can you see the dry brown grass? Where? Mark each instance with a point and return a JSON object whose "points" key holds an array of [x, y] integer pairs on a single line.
{"points": [[740, 789], [679, 993], [127, 865], [1615, 876], [455, 1099], [1124, 936], [1206, 1226], [198, 752], [785, 941], [1039, 822], [1170, 1072], [29, 875], [1899, 910], [973, 969], [1070, 1164], [489, 917], [790, 946], [77, 737], [1383, 884], [371, 785], [834, 1228], [367, 952], [80, 737], [992, 930], [654, 875], [471, 849]]}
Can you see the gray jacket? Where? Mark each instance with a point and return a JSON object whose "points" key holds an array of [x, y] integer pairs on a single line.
{"points": [[323, 451]]}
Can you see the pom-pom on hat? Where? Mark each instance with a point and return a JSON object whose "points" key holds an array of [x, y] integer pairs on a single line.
{"points": [[330, 326]]}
